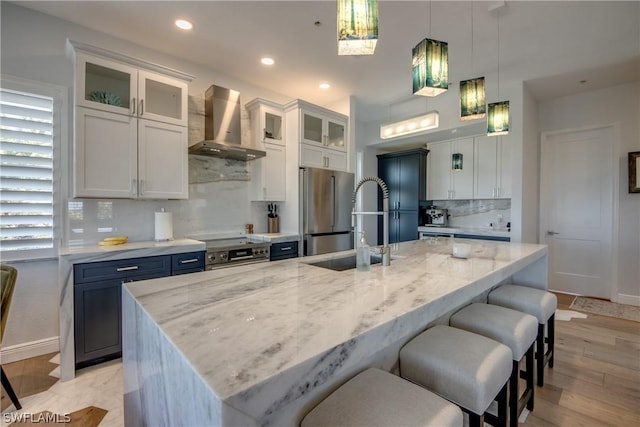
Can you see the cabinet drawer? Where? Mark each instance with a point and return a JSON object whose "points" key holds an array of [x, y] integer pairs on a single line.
{"points": [[284, 250], [128, 269], [187, 262]]}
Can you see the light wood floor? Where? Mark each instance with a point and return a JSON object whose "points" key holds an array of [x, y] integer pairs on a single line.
{"points": [[596, 377]]}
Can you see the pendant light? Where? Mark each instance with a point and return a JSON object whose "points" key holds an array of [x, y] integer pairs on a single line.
{"points": [[430, 66], [472, 94], [357, 27], [498, 112]]}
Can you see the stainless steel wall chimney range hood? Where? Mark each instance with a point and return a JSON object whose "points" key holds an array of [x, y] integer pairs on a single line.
{"points": [[222, 127]]}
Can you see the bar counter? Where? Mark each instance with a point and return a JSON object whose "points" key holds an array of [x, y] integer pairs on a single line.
{"points": [[262, 344]]}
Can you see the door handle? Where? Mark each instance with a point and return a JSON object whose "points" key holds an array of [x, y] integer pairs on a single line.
{"points": [[141, 112], [133, 106], [551, 233]]}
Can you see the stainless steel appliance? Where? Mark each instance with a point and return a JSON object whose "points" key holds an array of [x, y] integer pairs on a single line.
{"points": [[436, 217], [222, 127], [326, 210], [236, 251]]}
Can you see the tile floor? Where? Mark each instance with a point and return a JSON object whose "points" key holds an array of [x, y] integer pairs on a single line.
{"points": [[100, 386]]}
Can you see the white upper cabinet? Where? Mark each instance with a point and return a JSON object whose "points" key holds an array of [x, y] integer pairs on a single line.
{"points": [[322, 135], [130, 126], [444, 183], [268, 179], [492, 168], [324, 128]]}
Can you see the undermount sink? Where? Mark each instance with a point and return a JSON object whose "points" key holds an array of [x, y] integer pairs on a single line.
{"points": [[344, 263]]}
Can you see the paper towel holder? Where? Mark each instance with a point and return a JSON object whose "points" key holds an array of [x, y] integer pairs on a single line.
{"points": [[163, 226]]}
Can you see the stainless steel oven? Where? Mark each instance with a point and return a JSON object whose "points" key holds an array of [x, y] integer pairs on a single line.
{"points": [[237, 251]]}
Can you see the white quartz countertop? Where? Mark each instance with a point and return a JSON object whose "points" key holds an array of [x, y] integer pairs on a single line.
{"points": [[273, 237], [476, 231], [128, 250], [243, 327]]}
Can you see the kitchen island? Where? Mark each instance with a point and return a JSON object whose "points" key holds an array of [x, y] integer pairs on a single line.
{"points": [[263, 344]]}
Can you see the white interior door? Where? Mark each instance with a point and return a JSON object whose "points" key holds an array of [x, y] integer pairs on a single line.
{"points": [[577, 210]]}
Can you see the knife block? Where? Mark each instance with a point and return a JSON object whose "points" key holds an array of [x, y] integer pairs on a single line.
{"points": [[273, 224]]}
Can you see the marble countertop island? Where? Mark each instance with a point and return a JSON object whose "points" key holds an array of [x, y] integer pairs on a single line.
{"points": [[262, 344]]}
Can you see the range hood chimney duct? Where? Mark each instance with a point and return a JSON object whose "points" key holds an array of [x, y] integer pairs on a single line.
{"points": [[222, 127]]}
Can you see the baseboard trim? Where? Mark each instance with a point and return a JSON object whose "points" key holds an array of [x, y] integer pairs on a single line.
{"points": [[629, 299], [29, 349]]}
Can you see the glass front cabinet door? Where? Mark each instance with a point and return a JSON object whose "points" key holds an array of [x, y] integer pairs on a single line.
{"points": [[119, 88], [323, 129], [106, 85]]}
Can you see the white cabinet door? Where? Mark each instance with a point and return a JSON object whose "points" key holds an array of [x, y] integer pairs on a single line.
{"points": [[105, 154], [439, 176], [105, 85], [323, 130], [269, 174], [162, 161], [162, 98], [444, 183], [462, 180], [486, 167], [336, 160], [312, 156], [504, 162], [492, 168]]}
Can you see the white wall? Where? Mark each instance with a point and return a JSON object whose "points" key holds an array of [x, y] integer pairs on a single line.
{"points": [[619, 106], [33, 47], [530, 201]]}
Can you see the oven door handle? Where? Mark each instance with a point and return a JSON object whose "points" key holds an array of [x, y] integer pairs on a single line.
{"points": [[241, 257]]}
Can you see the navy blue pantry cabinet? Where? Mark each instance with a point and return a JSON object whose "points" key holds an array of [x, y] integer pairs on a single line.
{"points": [[405, 173], [98, 299]]}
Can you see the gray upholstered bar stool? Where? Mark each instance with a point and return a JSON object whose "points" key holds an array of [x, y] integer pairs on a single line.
{"points": [[468, 369], [378, 398], [538, 303], [514, 329]]}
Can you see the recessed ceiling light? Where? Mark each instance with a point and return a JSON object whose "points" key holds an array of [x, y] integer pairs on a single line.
{"points": [[183, 24], [267, 61], [325, 85]]}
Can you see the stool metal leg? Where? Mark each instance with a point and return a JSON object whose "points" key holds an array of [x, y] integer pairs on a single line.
{"points": [[513, 394], [540, 356], [551, 325], [529, 376], [12, 395]]}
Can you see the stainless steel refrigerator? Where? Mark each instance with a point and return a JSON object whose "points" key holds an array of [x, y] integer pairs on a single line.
{"points": [[326, 210]]}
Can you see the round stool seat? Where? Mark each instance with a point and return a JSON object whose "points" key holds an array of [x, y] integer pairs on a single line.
{"points": [[465, 368], [512, 328], [536, 302], [378, 398]]}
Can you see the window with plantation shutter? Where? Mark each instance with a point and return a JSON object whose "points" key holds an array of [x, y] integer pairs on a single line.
{"points": [[26, 171]]}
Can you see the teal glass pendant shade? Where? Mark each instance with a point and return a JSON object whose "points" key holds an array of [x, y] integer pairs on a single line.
{"points": [[498, 118], [456, 161], [430, 67], [472, 99], [357, 27]]}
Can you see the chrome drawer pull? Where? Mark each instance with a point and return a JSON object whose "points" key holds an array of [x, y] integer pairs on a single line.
{"points": [[288, 248], [189, 261], [134, 267]]}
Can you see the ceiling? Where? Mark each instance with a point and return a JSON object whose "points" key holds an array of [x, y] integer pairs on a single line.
{"points": [[552, 46]]}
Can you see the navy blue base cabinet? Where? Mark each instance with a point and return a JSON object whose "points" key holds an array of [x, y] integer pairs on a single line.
{"points": [[98, 299]]}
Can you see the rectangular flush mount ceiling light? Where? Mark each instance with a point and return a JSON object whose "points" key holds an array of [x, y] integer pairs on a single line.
{"points": [[417, 124], [357, 27], [430, 67]]}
